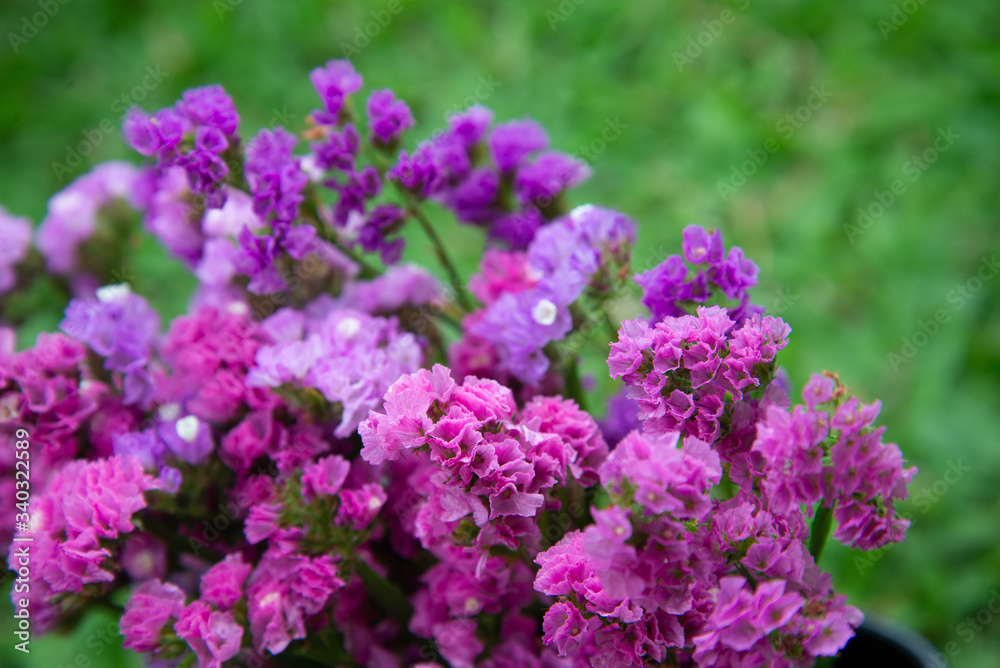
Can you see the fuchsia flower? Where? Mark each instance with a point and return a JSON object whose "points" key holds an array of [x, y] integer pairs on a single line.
{"points": [[151, 606], [687, 373], [222, 585], [862, 481], [214, 636], [489, 466]]}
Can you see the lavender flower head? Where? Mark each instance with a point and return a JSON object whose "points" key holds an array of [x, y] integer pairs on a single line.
{"points": [[120, 327], [350, 357], [74, 213], [15, 237]]}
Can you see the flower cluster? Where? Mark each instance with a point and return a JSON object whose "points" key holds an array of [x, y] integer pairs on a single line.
{"points": [[530, 296], [666, 567], [484, 466], [84, 234], [84, 510], [829, 450], [349, 356], [672, 288], [289, 470], [194, 135], [513, 195], [687, 373], [120, 327]]}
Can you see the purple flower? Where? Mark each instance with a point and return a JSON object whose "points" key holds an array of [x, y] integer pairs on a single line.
{"points": [[388, 117], [548, 176], [665, 478], [74, 212], [188, 438], [210, 106], [85, 506], [222, 584], [352, 359], [470, 125], [359, 507], [700, 247], [338, 150], [283, 593], [517, 230], [565, 256], [334, 82], [863, 479], [671, 285], [275, 178], [687, 371], [622, 417], [578, 448], [120, 327], [144, 557], [513, 141], [400, 286], [141, 132], [818, 390], [15, 237], [383, 220], [742, 619]]}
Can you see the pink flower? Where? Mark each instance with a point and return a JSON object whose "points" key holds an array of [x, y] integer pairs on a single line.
{"points": [[222, 584], [147, 611], [214, 636]]}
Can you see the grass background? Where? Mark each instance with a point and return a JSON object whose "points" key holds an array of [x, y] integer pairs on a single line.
{"points": [[577, 68]]}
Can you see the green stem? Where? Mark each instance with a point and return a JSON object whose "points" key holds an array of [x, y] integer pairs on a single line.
{"points": [[312, 210], [385, 594], [574, 388], [820, 530], [745, 572], [612, 330], [453, 276]]}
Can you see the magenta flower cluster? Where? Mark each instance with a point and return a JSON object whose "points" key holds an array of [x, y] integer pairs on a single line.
{"points": [[337, 456]]}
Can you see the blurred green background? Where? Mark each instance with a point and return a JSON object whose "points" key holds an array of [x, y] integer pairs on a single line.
{"points": [[684, 94]]}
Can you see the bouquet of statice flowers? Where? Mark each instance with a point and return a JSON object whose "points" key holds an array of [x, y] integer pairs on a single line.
{"points": [[335, 456]]}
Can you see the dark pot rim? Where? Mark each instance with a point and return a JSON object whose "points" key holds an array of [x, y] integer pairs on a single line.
{"points": [[900, 639]]}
